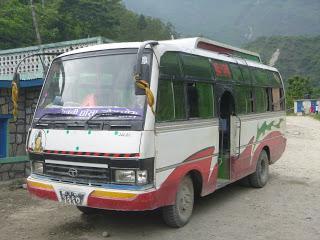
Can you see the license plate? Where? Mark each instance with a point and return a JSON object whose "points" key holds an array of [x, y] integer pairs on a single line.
{"points": [[71, 198]]}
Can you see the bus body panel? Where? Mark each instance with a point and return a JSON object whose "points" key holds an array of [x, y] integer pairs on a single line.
{"points": [[187, 146], [257, 132], [86, 141]]}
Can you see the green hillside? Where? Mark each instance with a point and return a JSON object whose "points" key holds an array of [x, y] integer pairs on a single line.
{"points": [[61, 20], [298, 55], [235, 22]]}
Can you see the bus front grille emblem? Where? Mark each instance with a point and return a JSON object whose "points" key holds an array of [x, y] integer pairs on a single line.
{"points": [[73, 172]]}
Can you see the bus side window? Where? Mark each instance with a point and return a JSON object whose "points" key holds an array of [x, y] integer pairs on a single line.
{"points": [[276, 99], [179, 100], [246, 74], [221, 70], [196, 67], [200, 100], [165, 107], [236, 72], [269, 99], [193, 105], [282, 102], [244, 101], [261, 100], [170, 66], [198, 77], [260, 77], [171, 91]]}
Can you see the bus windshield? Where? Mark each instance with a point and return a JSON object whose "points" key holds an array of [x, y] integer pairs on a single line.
{"points": [[91, 85]]}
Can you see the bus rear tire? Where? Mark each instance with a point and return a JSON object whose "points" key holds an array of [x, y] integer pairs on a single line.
{"points": [[179, 214], [260, 177]]}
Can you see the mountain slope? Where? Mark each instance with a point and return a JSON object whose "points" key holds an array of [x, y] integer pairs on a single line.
{"points": [[235, 22], [297, 55]]}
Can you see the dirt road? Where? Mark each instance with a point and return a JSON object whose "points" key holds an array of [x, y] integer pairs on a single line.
{"points": [[287, 208]]}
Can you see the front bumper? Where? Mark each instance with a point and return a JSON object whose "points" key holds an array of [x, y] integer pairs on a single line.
{"points": [[96, 197]]}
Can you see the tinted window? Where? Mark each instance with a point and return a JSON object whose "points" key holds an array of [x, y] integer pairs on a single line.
{"points": [[193, 104], [282, 102], [236, 72], [221, 70], [165, 109], [179, 100], [276, 99], [200, 100], [260, 77], [243, 99], [261, 100], [269, 98], [205, 100], [170, 65], [196, 66], [188, 94], [246, 73], [274, 79]]}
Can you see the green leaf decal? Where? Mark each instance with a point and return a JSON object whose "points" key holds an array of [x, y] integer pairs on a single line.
{"points": [[267, 127]]}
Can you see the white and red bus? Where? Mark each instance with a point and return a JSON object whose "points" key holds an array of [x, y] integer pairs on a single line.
{"points": [[140, 126]]}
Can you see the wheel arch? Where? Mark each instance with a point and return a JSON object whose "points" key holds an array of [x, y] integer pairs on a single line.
{"points": [[267, 150], [197, 181]]}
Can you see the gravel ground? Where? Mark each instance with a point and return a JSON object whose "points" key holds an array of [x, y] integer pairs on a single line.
{"points": [[287, 208]]}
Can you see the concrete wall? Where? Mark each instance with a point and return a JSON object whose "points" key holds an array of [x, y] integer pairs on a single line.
{"points": [[14, 170]]}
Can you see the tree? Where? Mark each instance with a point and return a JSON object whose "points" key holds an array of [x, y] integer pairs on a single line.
{"points": [[298, 88], [16, 29], [62, 20]]}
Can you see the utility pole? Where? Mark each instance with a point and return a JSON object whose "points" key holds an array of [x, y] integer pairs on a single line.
{"points": [[35, 23]]}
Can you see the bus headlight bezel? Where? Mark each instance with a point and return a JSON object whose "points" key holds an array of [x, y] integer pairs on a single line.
{"points": [[142, 177], [37, 167], [131, 176], [125, 176]]}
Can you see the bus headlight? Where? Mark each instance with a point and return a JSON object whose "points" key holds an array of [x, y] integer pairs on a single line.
{"points": [[125, 176], [142, 177], [37, 167]]}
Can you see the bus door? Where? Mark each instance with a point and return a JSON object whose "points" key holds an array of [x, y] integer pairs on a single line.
{"points": [[235, 136], [226, 132]]}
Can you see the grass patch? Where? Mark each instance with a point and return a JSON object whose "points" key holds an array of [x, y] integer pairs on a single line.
{"points": [[317, 117]]}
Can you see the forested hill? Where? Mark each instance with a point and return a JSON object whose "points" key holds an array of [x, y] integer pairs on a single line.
{"points": [[61, 20], [235, 22], [297, 55]]}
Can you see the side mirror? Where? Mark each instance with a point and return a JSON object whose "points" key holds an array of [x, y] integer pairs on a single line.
{"points": [[16, 79], [145, 75]]}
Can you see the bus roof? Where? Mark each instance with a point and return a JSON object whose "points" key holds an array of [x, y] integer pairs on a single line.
{"points": [[198, 46]]}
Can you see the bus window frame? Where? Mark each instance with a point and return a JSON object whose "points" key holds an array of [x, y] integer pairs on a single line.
{"points": [[188, 79], [251, 84]]}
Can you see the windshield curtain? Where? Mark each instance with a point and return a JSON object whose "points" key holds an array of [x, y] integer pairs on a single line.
{"points": [[89, 85]]}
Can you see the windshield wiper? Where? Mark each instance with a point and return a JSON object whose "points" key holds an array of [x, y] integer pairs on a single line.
{"points": [[111, 114], [55, 114]]}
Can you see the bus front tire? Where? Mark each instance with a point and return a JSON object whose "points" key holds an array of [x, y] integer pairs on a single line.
{"points": [[260, 177], [179, 214]]}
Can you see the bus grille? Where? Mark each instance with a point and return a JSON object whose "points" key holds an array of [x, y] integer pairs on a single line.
{"points": [[76, 173]]}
